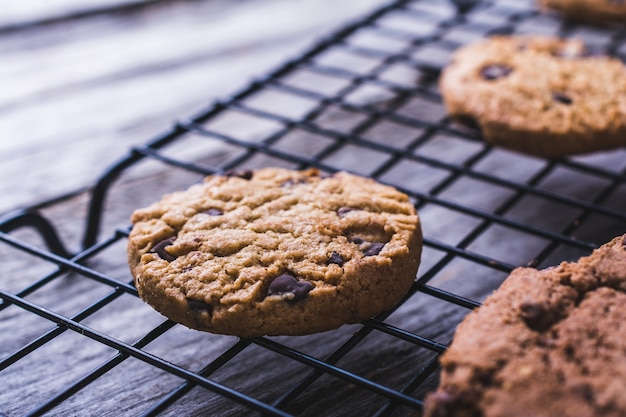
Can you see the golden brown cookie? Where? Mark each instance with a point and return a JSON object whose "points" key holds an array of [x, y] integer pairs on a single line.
{"points": [[542, 96], [275, 252], [588, 10], [547, 343]]}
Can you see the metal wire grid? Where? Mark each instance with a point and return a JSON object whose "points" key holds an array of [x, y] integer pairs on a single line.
{"points": [[418, 37]]}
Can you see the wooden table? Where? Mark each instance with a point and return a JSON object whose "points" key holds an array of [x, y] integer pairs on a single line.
{"points": [[85, 83]]}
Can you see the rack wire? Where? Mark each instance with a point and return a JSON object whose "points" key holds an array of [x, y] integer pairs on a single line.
{"points": [[365, 100]]}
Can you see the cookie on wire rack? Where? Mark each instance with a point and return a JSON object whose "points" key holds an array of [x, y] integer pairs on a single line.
{"points": [[547, 343], [275, 252], [597, 11], [543, 96]]}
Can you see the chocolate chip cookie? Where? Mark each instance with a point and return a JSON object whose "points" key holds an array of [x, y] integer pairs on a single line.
{"points": [[275, 252], [542, 96], [588, 10], [547, 343]]}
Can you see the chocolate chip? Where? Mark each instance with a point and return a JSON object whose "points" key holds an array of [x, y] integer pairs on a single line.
{"points": [[537, 316], [213, 212], [368, 248], [335, 258], [245, 174], [287, 284], [342, 211], [562, 98], [159, 249], [373, 249], [495, 71], [199, 305]]}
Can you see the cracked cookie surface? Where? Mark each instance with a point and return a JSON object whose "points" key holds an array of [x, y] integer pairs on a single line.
{"points": [[275, 252], [543, 96], [547, 343]]}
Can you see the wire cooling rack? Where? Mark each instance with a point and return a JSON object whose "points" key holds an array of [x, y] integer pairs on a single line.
{"points": [[77, 341]]}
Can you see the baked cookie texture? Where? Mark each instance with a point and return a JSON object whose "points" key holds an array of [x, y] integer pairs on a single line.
{"points": [[598, 11], [543, 96], [275, 252], [547, 343]]}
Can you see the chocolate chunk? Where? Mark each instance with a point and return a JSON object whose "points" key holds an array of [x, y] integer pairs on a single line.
{"points": [[562, 98], [159, 249], [495, 71], [368, 248], [285, 284], [342, 211], [374, 248], [199, 306], [335, 258], [245, 174], [537, 316], [214, 212]]}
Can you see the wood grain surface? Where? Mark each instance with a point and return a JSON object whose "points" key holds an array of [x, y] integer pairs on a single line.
{"points": [[78, 93]]}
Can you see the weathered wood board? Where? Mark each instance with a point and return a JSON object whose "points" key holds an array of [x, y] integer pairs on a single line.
{"points": [[77, 94]]}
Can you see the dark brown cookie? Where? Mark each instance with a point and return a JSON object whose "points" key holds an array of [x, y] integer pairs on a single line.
{"points": [[547, 343], [542, 96], [275, 252], [598, 11]]}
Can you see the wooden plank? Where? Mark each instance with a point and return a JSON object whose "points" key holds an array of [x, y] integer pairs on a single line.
{"points": [[89, 89], [19, 14]]}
